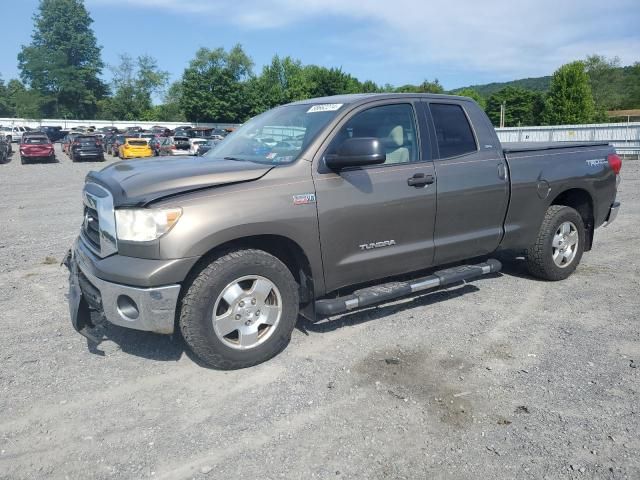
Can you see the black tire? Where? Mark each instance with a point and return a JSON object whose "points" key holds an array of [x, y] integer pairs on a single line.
{"points": [[539, 255], [201, 294], [23, 160]]}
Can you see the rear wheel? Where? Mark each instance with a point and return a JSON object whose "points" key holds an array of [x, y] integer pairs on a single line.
{"points": [[559, 246], [240, 310]]}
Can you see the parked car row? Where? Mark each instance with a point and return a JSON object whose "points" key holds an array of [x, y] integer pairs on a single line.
{"points": [[182, 141], [81, 143]]}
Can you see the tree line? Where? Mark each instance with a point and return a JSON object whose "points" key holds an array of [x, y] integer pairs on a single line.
{"points": [[61, 77]]}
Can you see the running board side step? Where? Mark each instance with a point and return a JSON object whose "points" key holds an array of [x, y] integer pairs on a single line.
{"points": [[391, 291]]}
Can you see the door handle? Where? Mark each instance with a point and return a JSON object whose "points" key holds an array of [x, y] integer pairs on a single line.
{"points": [[420, 180]]}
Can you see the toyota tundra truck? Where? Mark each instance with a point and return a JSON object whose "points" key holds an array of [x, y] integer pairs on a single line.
{"points": [[323, 206]]}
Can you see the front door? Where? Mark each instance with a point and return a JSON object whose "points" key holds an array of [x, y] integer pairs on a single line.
{"points": [[377, 221]]}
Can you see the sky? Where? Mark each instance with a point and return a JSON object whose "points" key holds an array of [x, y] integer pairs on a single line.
{"points": [[459, 42]]}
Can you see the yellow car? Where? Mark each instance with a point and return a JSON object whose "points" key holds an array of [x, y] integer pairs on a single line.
{"points": [[135, 148]]}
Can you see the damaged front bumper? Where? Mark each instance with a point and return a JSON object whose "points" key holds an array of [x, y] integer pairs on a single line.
{"points": [[151, 309]]}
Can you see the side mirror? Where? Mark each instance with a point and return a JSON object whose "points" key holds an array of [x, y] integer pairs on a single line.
{"points": [[356, 152]]}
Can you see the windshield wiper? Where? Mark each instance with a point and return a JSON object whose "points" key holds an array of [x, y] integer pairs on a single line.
{"points": [[235, 158]]}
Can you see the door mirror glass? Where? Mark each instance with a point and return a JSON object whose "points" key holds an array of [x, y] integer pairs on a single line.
{"points": [[355, 152]]}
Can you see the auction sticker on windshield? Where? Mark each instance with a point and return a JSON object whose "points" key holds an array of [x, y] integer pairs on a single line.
{"points": [[325, 107]]}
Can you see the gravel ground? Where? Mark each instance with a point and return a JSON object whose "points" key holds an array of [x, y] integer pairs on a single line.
{"points": [[506, 377]]}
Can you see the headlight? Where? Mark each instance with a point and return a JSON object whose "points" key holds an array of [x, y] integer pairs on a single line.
{"points": [[145, 224]]}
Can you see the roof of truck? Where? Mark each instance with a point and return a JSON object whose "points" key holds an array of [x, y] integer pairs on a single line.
{"points": [[360, 97]]}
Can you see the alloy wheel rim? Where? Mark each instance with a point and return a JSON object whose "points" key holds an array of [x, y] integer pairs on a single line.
{"points": [[565, 244], [247, 312]]}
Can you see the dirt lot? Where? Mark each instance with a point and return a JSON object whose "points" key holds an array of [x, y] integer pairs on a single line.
{"points": [[506, 377]]}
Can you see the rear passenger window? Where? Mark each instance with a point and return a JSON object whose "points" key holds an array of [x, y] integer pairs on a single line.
{"points": [[453, 131]]}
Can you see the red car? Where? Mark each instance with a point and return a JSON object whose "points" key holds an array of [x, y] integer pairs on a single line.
{"points": [[36, 147], [67, 141]]}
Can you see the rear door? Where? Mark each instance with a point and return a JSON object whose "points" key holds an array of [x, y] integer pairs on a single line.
{"points": [[377, 221], [473, 188]]}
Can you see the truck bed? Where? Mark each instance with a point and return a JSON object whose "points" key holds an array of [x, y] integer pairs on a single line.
{"points": [[514, 147]]}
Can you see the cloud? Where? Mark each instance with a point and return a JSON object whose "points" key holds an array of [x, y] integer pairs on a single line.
{"points": [[504, 38]]}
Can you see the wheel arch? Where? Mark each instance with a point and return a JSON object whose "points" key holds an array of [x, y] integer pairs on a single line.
{"points": [[283, 248], [582, 201]]}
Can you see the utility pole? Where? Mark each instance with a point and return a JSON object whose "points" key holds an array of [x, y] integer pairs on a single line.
{"points": [[503, 106]]}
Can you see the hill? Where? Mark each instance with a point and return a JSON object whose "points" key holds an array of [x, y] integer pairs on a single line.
{"points": [[537, 84]]}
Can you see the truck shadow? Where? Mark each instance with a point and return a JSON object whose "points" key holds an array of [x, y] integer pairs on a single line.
{"points": [[152, 346], [516, 267], [383, 310]]}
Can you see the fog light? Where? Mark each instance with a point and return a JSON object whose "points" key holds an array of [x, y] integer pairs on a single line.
{"points": [[127, 307]]}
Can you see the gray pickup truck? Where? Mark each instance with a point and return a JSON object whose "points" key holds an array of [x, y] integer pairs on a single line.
{"points": [[324, 206]]}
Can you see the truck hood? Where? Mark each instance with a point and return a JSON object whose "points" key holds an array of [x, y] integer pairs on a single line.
{"points": [[142, 181]]}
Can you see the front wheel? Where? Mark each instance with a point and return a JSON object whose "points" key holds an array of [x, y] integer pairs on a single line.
{"points": [[559, 246], [240, 310]]}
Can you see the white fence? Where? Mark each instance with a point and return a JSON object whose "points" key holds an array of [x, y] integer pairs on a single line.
{"points": [[68, 123], [624, 136]]}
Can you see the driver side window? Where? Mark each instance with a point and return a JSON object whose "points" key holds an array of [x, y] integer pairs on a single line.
{"points": [[393, 125]]}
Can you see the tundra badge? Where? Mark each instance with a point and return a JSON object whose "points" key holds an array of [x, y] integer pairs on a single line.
{"points": [[369, 246], [304, 199]]}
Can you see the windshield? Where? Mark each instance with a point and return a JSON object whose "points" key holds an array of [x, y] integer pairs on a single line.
{"points": [[276, 137]]}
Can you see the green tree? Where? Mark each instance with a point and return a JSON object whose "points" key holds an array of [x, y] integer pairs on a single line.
{"points": [[6, 108], [215, 86], [632, 86], [607, 83], [369, 86], [471, 93], [134, 84], [569, 100], [282, 81], [25, 103], [425, 87], [169, 110], [62, 63], [324, 81], [522, 107]]}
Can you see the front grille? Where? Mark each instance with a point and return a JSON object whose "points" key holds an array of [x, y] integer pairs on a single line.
{"points": [[98, 226], [91, 227]]}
